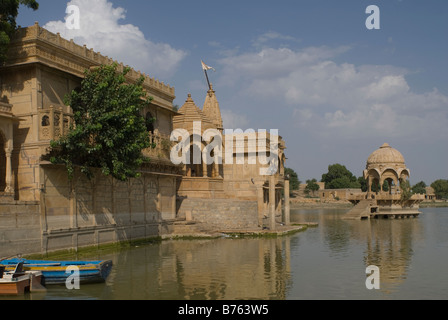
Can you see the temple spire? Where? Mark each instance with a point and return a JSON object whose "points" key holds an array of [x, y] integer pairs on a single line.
{"points": [[211, 109]]}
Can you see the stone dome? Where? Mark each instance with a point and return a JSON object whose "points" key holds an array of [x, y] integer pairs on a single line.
{"points": [[385, 155]]}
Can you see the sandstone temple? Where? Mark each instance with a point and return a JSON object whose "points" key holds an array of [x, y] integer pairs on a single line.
{"points": [[41, 210]]}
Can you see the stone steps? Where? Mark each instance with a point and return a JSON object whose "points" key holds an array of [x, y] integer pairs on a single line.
{"points": [[361, 211], [183, 227]]}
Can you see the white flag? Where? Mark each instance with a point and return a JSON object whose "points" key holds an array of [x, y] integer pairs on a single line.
{"points": [[206, 67]]}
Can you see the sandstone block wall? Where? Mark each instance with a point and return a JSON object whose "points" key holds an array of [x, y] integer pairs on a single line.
{"points": [[84, 212], [20, 230], [220, 214]]}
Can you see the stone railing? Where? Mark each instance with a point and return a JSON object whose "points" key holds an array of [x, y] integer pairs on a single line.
{"points": [[5, 108], [54, 123], [161, 146]]}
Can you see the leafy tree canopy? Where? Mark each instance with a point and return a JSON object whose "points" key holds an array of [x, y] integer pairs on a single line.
{"points": [[339, 177], [311, 186], [440, 188], [110, 132], [419, 188], [9, 10]]}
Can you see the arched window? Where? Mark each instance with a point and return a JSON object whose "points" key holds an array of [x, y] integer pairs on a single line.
{"points": [[150, 122], [45, 121]]}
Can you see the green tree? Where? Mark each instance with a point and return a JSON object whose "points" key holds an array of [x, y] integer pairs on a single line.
{"points": [[419, 188], [339, 177], [363, 184], [294, 182], [311, 186], [110, 132], [406, 192], [9, 10], [440, 188], [385, 186]]}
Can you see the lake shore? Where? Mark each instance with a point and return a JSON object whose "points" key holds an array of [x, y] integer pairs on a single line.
{"points": [[314, 203], [434, 204]]}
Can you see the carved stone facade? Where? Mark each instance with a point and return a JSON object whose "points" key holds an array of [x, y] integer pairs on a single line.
{"points": [[41, 70], [236, 172]]}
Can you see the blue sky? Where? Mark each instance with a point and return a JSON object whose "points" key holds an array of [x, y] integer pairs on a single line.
{"points": [[335, 90]]}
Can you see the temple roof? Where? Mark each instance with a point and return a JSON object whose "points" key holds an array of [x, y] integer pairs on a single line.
{"points": [[190, 113], [211, 109], [386, 155]]}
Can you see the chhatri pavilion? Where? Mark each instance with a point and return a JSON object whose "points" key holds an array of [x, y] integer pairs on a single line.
{"points": [[385, 165]]}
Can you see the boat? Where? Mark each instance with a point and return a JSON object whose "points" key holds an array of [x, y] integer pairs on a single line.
{"points": [[57, 272], [18, 281]]}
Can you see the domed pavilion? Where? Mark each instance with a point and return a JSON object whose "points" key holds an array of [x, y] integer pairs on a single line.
{"points": [[385, 165]]}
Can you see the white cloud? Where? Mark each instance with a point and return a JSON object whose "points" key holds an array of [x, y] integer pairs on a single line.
{"points": [[271, 36], [334, 99], [233, 120], [101, 30]]}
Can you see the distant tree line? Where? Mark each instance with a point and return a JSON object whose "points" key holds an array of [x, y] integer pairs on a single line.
{"points": [[339, 177], [440, 188]]}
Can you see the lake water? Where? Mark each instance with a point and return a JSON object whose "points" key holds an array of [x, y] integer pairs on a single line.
{"points": [[327, 262]]}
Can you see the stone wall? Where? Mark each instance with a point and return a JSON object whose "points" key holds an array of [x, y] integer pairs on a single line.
{"points": [[82, 212], [20, 230], [220, 214]]}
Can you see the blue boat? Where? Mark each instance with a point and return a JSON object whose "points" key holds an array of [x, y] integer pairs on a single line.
{"points": [[57, 272]]}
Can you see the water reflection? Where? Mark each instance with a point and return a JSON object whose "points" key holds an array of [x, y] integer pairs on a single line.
{"points": [[388, 244], [209, 269], [327, 262]]}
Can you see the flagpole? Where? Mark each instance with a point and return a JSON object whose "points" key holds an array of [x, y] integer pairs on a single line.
{"points": [[208, 81]]}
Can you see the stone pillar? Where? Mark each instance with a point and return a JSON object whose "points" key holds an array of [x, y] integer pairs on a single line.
{"points": [[287, 220], [8, 179], [188, 170], [260, 202], [174, 199], [369, 187], [216, 165], [204, 169], [159, 197], [272, 202]]}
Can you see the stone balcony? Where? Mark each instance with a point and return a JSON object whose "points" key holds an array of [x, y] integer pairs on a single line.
{"points": [[5, 109], [161, 148]]}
